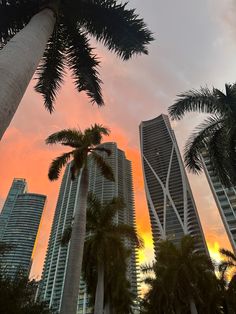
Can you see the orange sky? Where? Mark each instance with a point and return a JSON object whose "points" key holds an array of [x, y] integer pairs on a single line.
{"points": [[24, 154], [195, 45]]}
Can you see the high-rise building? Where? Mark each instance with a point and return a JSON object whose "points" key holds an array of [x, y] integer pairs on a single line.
{"points": [[56, 258], [18, 186], [225, 199], [172, 210], [20, 217]]}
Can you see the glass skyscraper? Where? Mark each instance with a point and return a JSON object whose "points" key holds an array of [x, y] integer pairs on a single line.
{"points": [[55, 263], [20, 219], [172, 210], [18, 186], [225, 199]]}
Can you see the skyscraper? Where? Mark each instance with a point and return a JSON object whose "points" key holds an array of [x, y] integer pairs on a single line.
{"points": [[56, 258], [171, 205], [225, 199], [20, 219], [18, 186]]}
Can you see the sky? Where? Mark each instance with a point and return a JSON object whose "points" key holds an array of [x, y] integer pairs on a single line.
{"points": [[195, 45]]}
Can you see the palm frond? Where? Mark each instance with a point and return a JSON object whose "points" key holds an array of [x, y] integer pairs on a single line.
{"points": [[218, 148], [14, 15], [110, 209], [57, 165], [198, 141], [95, 133], [83, 63], [104, 167], [118, 28], [103, 149], [204, 101], [128, 232], [65, 136], [79, 160], [228, 254], [50, 72], [146, 268]]}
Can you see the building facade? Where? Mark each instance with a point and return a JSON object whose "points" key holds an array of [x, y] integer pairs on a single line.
{"points": [[225, 199], [19, 186], [172, 210], [22, 214], [56, 258]]}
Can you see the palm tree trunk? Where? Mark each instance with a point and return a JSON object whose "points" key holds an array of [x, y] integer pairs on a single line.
{"points": [[74, 264], [18, 62], [99, 297], [193, 308], [107, 308]]}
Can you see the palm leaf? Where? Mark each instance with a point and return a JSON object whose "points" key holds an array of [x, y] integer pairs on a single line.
{"points": [[57, 165], [83, 63], [118, 28], [198, 141], [128, 232], [14, 15], [218, 153], [95, 133], [103, 149], [65, 136], [51, 69], [228, 254], [104, 167], [79, 161], [204, 101]]}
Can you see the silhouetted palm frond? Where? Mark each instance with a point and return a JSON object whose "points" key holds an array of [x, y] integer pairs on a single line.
{"points": [[107, 20], [65, 136], [104, 167], [83, 63], [216, 137], [50, 71], [57, 165], [204, 101]]}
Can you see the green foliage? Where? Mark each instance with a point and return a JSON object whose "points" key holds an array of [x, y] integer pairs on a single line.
{"points": [[217, 134], [18, 296], [83, 144], [113, 24], [105, 244], [181, 274]]}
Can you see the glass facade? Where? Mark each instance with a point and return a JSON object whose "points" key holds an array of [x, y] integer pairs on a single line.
{"points": [[21, 227], [225, 199], [18, 186], [171, 205]]}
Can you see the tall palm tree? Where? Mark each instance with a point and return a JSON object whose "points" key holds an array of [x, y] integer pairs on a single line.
{"points": [[85, 144], [179, 271], [105, 254], [217, 133], [55, 33]]}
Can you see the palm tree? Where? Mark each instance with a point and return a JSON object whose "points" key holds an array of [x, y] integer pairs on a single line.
{"points": [[105, 255], [56, 33], [178, 277], [228, 288], [217, 133], [17, 296], [85, 144]]}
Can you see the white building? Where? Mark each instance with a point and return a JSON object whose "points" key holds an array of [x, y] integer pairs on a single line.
{"points": [[172, 210]]}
